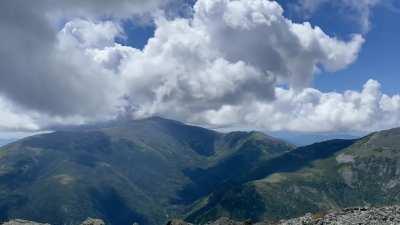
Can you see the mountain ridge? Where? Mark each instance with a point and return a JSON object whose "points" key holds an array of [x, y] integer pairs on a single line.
{"points": [[123, 172], [151, 170], [363, 172]]}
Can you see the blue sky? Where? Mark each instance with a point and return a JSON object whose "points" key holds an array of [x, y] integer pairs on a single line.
{"points": [[137, 35], [379, 58]]}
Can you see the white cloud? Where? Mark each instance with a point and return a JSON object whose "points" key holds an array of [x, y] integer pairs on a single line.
{"points": [[13, 120], [43, 72], [229, 53], [313, 111], [220, 68], [257, 33], [88, 34], [121, 9]]}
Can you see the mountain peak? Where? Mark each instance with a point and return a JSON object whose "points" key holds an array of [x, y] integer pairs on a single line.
{"points": [[123, 171], [157, 119]]}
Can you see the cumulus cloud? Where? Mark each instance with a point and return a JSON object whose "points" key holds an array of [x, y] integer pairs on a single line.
{"points": [[38, 70], [257, 33], [221, 66], [230, 52], [12, 120], [313, 111]]}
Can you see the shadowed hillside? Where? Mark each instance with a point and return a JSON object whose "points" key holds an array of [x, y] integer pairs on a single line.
{"points": [[141, 171], [328, 175]]}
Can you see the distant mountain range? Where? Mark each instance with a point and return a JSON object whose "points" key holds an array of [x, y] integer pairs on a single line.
{"points": [[303, 139], [151, 170]]}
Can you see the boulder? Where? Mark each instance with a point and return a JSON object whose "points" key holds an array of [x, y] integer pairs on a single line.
{"points": [[23, 222], [91, 221]]}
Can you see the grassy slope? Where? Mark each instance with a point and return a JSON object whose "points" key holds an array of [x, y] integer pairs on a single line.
{"points": [[133, 171], [366, 172]]}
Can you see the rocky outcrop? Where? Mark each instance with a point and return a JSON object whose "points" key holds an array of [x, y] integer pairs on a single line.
{"points": [[89, 221], [23, 222], [221, 221], [178, 222], [226, 221], [350, 216]]}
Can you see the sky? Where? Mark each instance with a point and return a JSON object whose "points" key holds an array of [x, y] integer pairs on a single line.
{"points": [[302, 66]]}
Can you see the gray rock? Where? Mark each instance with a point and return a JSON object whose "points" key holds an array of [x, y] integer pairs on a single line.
{"points": [[23, 222], [91, 221], [226, 221], [178, 222], [88, 221], [351, 216]]}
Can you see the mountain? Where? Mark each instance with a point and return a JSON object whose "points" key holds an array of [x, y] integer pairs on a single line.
{"points": [[151, 170], [143, 171], [323, 176]]}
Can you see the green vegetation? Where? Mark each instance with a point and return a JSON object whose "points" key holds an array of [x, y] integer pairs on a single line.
{"points": [[316, 178], [151, 170], [144, 171]]}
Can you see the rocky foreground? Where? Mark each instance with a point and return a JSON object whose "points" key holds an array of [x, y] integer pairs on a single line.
{"points": [[89, 221], [350, 216]]}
